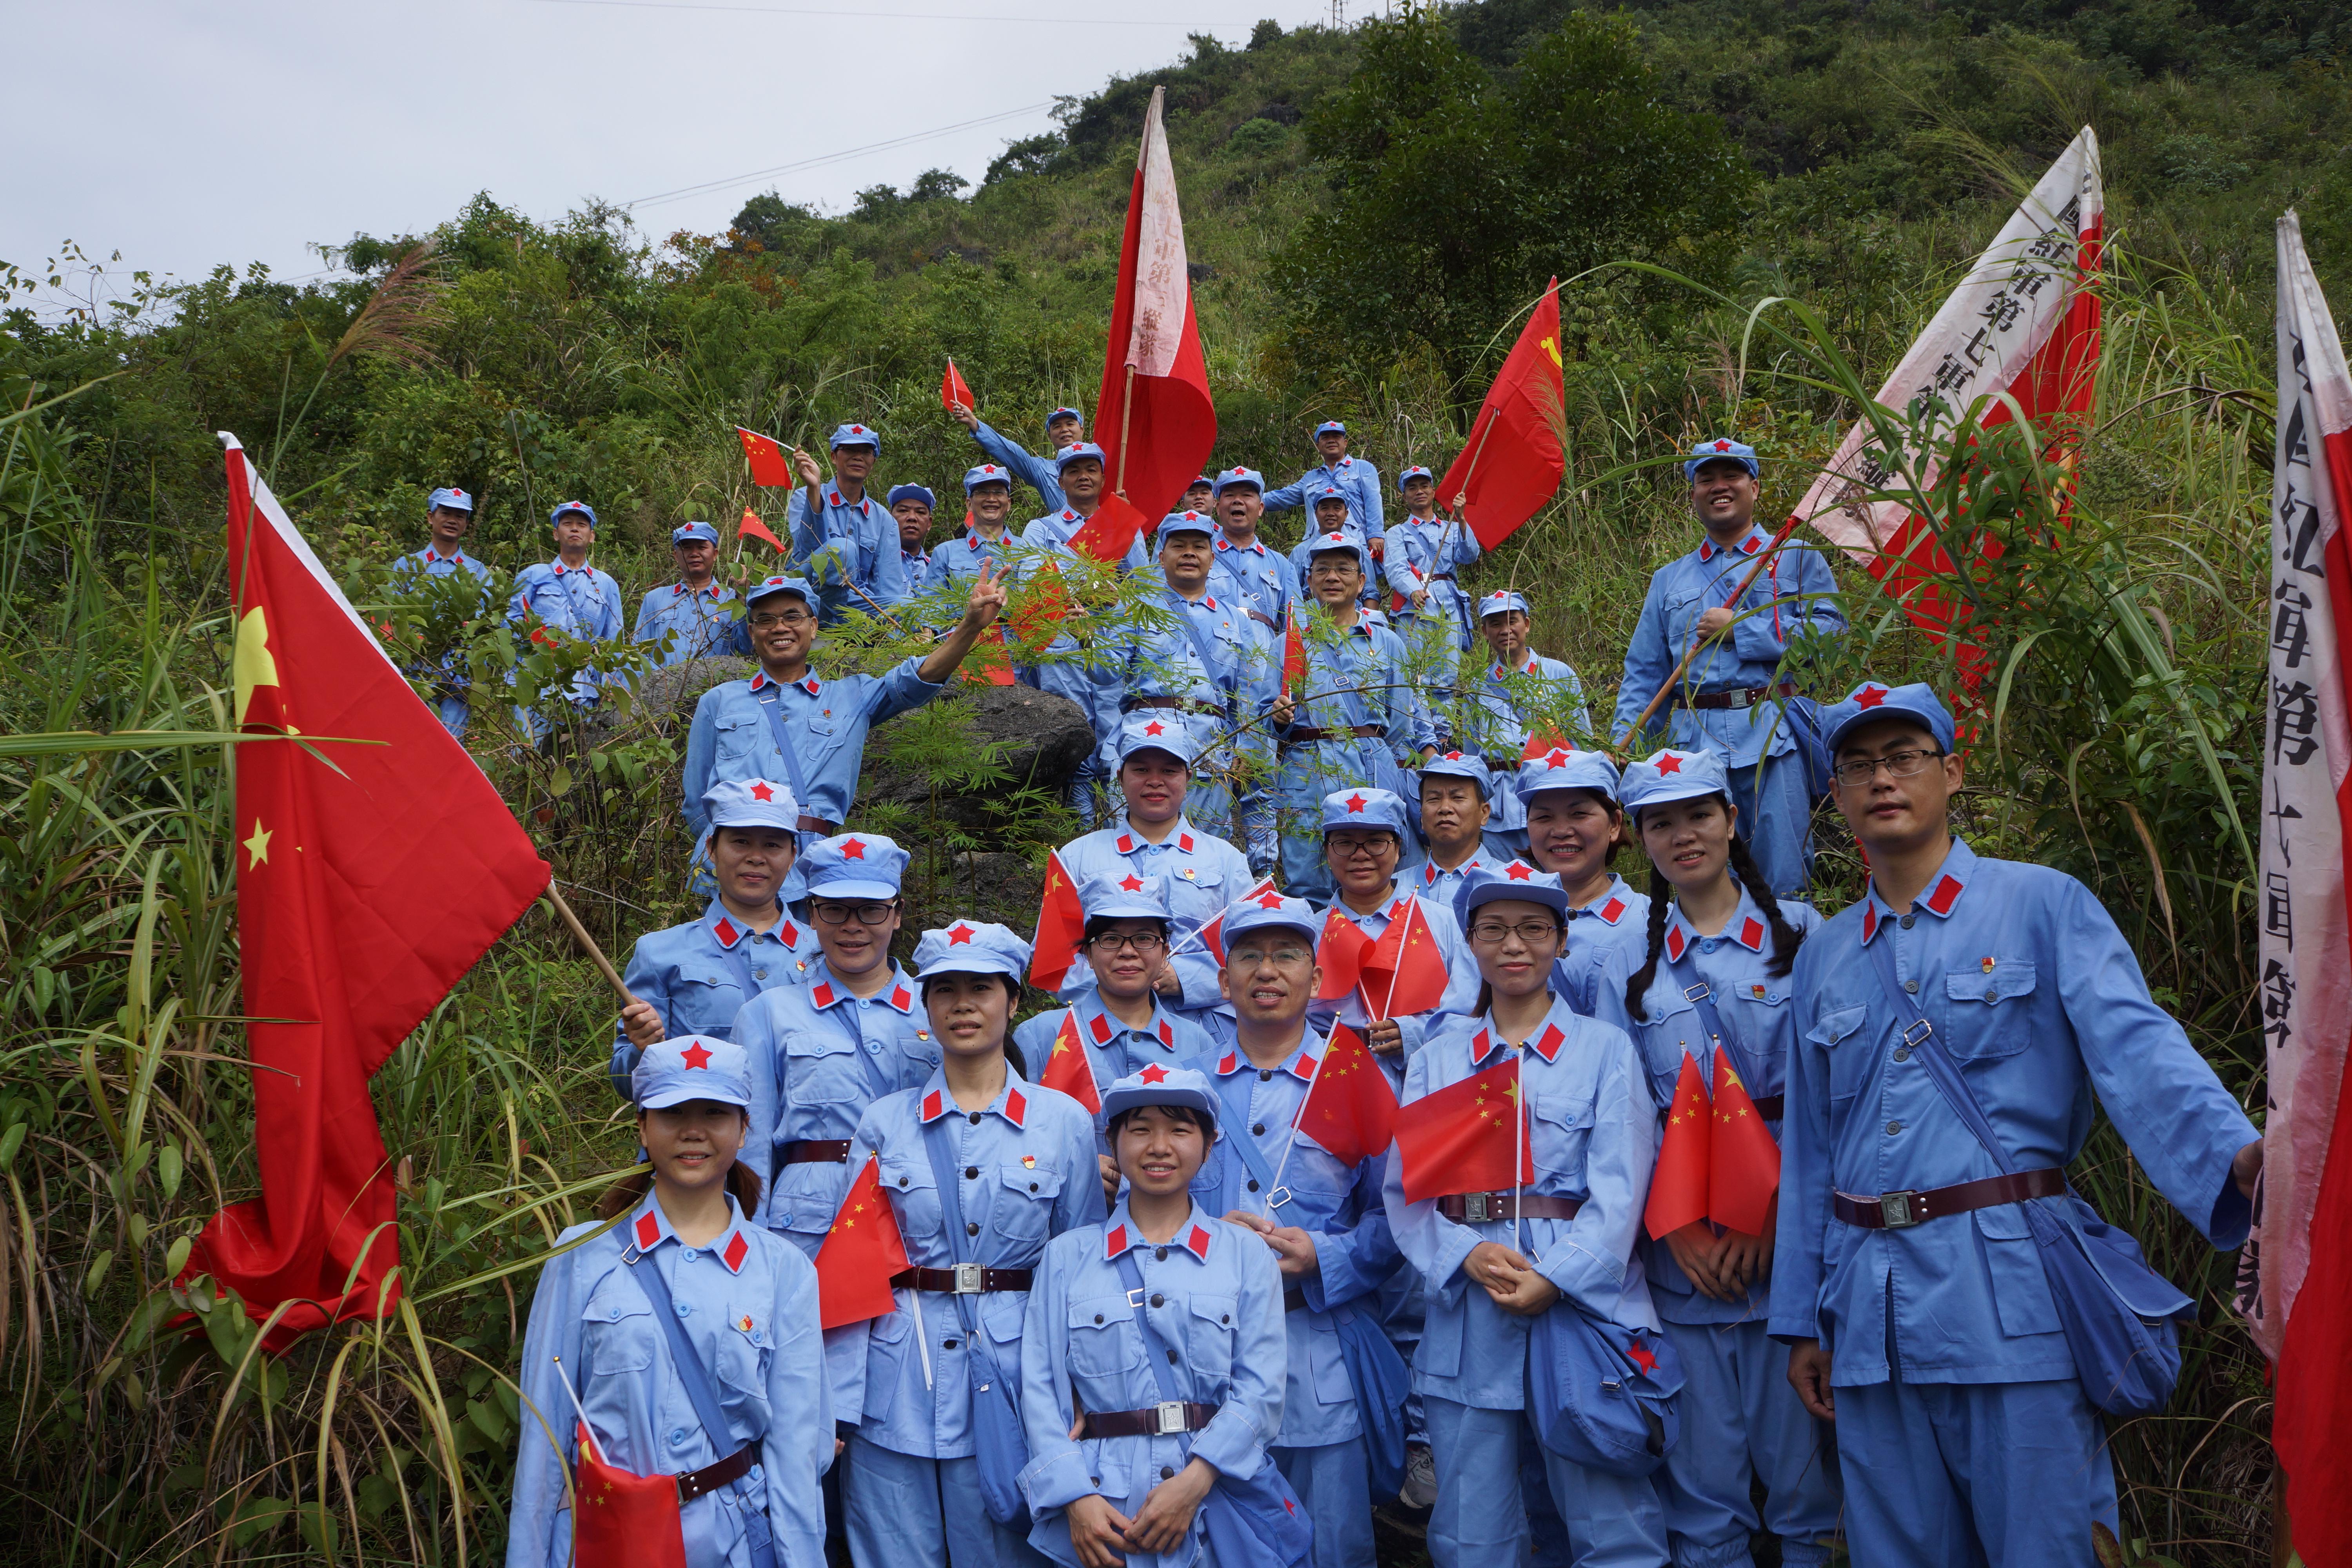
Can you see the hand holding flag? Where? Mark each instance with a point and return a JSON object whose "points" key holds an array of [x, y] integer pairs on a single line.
{"points": [[1403, 974], [1743, 1162], [954, 393]]}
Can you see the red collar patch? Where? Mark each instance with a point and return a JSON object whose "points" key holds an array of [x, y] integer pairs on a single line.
{"points": [[1547, 1046], [900, 998], [649, 1231], [1115, 1243], [726, 931], [933, 1104], [1676, 942], [1613, 911], [1126, 844], [822, 994], [1751, 934], [1947, 891], [1184, 842], [1481, 1046], [736, 1250], [1869, 917], [1167, 1037], [1227, 1062], [1197, 1244], [1100, 1028], [789, 933], [1015, 1108]]}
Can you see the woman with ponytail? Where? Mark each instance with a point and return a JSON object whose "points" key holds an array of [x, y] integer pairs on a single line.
{"points": [[1574, 825], [1712, 986]]}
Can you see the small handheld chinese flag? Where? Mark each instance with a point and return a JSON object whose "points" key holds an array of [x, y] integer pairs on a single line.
{"points": [[953, 392], [1067, 1067], [1349, 1109], [859, 1254], [1339, 953], [624, 1521], [1743, 1169], [1678, 1186], [752, 528], [1403, 971], [1212, 935], [1061, 924], [1294, 657], [768, 468], [1463, 1138], [1111, 532]]}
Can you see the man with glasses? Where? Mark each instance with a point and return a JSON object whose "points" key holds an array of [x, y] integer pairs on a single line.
{"points": [[1908, 1282], [823, 1051], [1323, 1219], [1729, 697], [1363, 835], [786, 722], [697, 613]]}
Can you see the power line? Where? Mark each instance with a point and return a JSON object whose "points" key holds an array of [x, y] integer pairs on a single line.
{"points": [[861, 16], [843, 156]]}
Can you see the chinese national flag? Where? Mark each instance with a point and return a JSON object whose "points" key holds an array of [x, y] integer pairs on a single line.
{"points": [[1154, 419], [1112, 531], [1512, 463], [1403, 972], [1066, 1068], [991, 663], [369, 878], [752, 528], [953, 392], [1061, 924], [1465, 1138], [1212, 935], [1294, 655], [1349, 1109], [769, 469], [1339, 953], [859, 1254], [624, 1521], [1678, 1186], [1744, 1163]]}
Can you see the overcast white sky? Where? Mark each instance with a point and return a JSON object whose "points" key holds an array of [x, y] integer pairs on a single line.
{"points": [[187, 135]]}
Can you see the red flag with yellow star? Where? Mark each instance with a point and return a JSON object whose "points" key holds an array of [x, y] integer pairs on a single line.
{"points": [[624, 1521], [859, 1254], [369, 877], [1403, 971], [1464, 1137], [1339, 953], [770, 468], [1744, 1163], [1513, 463], [1678, 1186], [1061, 926], [1067, 1067], [1349, 1109]]}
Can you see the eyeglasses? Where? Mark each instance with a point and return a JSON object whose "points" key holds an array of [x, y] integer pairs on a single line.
{"points": [[1280, 957], [1900, 764], [789, 619], [1358, 848], [833, 914], [1119, 940], [1491, 933]]}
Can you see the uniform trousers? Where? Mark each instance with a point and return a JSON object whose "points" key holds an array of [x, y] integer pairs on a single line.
{"points": [[1333, 1484], [1776, 818], [905, 1510], [1740, 1417], [1612, 1521]]}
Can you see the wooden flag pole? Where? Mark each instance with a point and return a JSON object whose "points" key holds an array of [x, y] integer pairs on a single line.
{"points": [[1674, 679], [580, 934], [1125, 408]]}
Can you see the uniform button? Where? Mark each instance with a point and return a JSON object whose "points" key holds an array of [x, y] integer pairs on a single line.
{"points": [[1252, 1184], [677, 1434], [971, 1172], [759, 974], [1991, 994], [685, 1252], [975, 1119], [1265, 1075], [1033, 1187], [1160, 1300], [1171, 1358], [1160, 1253], [1226, 1318], [1167, 1472], [1257, 1130], [1907, 922], [1893, 1128], [1098, 1317], [902, 1181], [1902, 1053], [1912, 987], [971, 1229], [685, 1309], [947, 1344]]}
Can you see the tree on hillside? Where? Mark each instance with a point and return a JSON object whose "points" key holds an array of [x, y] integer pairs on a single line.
{"points": [[1458, 191]]}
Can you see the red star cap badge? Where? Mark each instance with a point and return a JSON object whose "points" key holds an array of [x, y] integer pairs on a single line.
{"points": [[759, 790], [852, 850], [1356, 801], [959, 934], [1153, 1074], [1557, 759], [695, 1055], [1723, 446], [1452, 756], [1518, 871], [1269, 900], [1870, 697], [1669, 763], [1131, 882], [1155, 728]]}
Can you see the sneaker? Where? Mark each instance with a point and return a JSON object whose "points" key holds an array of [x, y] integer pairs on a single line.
{"points": [[1420, 1489]]}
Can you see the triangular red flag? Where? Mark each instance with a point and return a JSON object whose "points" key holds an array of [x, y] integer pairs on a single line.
{"points": [[1744, 1163], [1339, 953], [1212, 934], [1349, 1109], [1111, 532], [752, 528], [369, 878], [953, 392], [1512, 464], [1061, 926], [1403, 972], [1154, 418], [770, 467], [1678, 1186], [1067, 1067], [859, 1254], [624, 1521], [1461, 1138]]}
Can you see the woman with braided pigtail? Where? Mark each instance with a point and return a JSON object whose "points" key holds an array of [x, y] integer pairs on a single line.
{"points": [[1712, 986]]}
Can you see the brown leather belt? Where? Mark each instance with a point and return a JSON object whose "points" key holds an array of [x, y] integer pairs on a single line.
{"points": [[1160, 1421], [1183, 704], [1307, 734], [1477, 1208], [710, 1478], [818, 826], [1745, 697], [1901, 1211], [815, 1152], [1771, 1106], [969, 1279]]}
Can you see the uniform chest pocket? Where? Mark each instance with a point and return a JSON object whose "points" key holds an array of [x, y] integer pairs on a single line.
{"points": [[1209, 1337], [1103, 1340], [1022, 1203], [821, 1068], [705, 1001], [1670, 1035], [1991, 1012], [914, 1196], [1836, 1032], [1560, 1126], [745, 1346], [743, 737], [617, 1328]]}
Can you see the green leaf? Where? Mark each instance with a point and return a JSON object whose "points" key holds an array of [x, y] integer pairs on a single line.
{"points": [[559, 784], [168, 1169], [10, 1142], [97, 1275], [175, 1256]]}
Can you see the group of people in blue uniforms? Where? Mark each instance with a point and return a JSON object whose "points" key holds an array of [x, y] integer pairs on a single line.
{"points": [[1146, 1317]]}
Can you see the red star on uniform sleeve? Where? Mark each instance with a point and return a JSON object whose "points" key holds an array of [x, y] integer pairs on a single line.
{"points": [[1518, 871], [1131, 882], [761, 791], [1153, 1074], [1669, 763], [852, 850], [1356, 802], [959, 934], [695, 1055], [1870, 697]]}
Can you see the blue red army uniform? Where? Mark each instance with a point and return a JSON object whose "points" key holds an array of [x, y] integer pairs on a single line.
{"points": [[693, 617], [843, 539], [1352, 477], [448, 515], [1569, 797]]}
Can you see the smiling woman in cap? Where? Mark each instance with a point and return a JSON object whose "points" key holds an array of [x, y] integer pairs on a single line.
{"points": [[1364, 832], [1569, 799], [682, 1306], [981, 1167]]}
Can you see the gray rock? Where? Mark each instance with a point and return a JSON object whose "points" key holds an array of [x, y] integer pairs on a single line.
{"points": [[948, 752], [673, 690]]}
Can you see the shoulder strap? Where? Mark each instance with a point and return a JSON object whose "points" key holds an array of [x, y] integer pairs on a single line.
{"points": [[1245, 1148], [1701, 996], [774, 708], [692, 1375], [1218, 673], [1154, 1350], [1920, 1035], [935, 1146]]}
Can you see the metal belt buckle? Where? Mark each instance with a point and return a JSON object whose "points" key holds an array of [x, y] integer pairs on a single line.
{"points": [[1476, 1207], [1172, 1417], [968, 1280], [1900, 1209]]}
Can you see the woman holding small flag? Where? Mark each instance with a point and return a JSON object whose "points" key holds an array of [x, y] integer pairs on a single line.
{"points": [[1392, 961], [675, 1339], [1308, 1116], [1711, 1005], [980, 1168], [1523, 1149]]}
